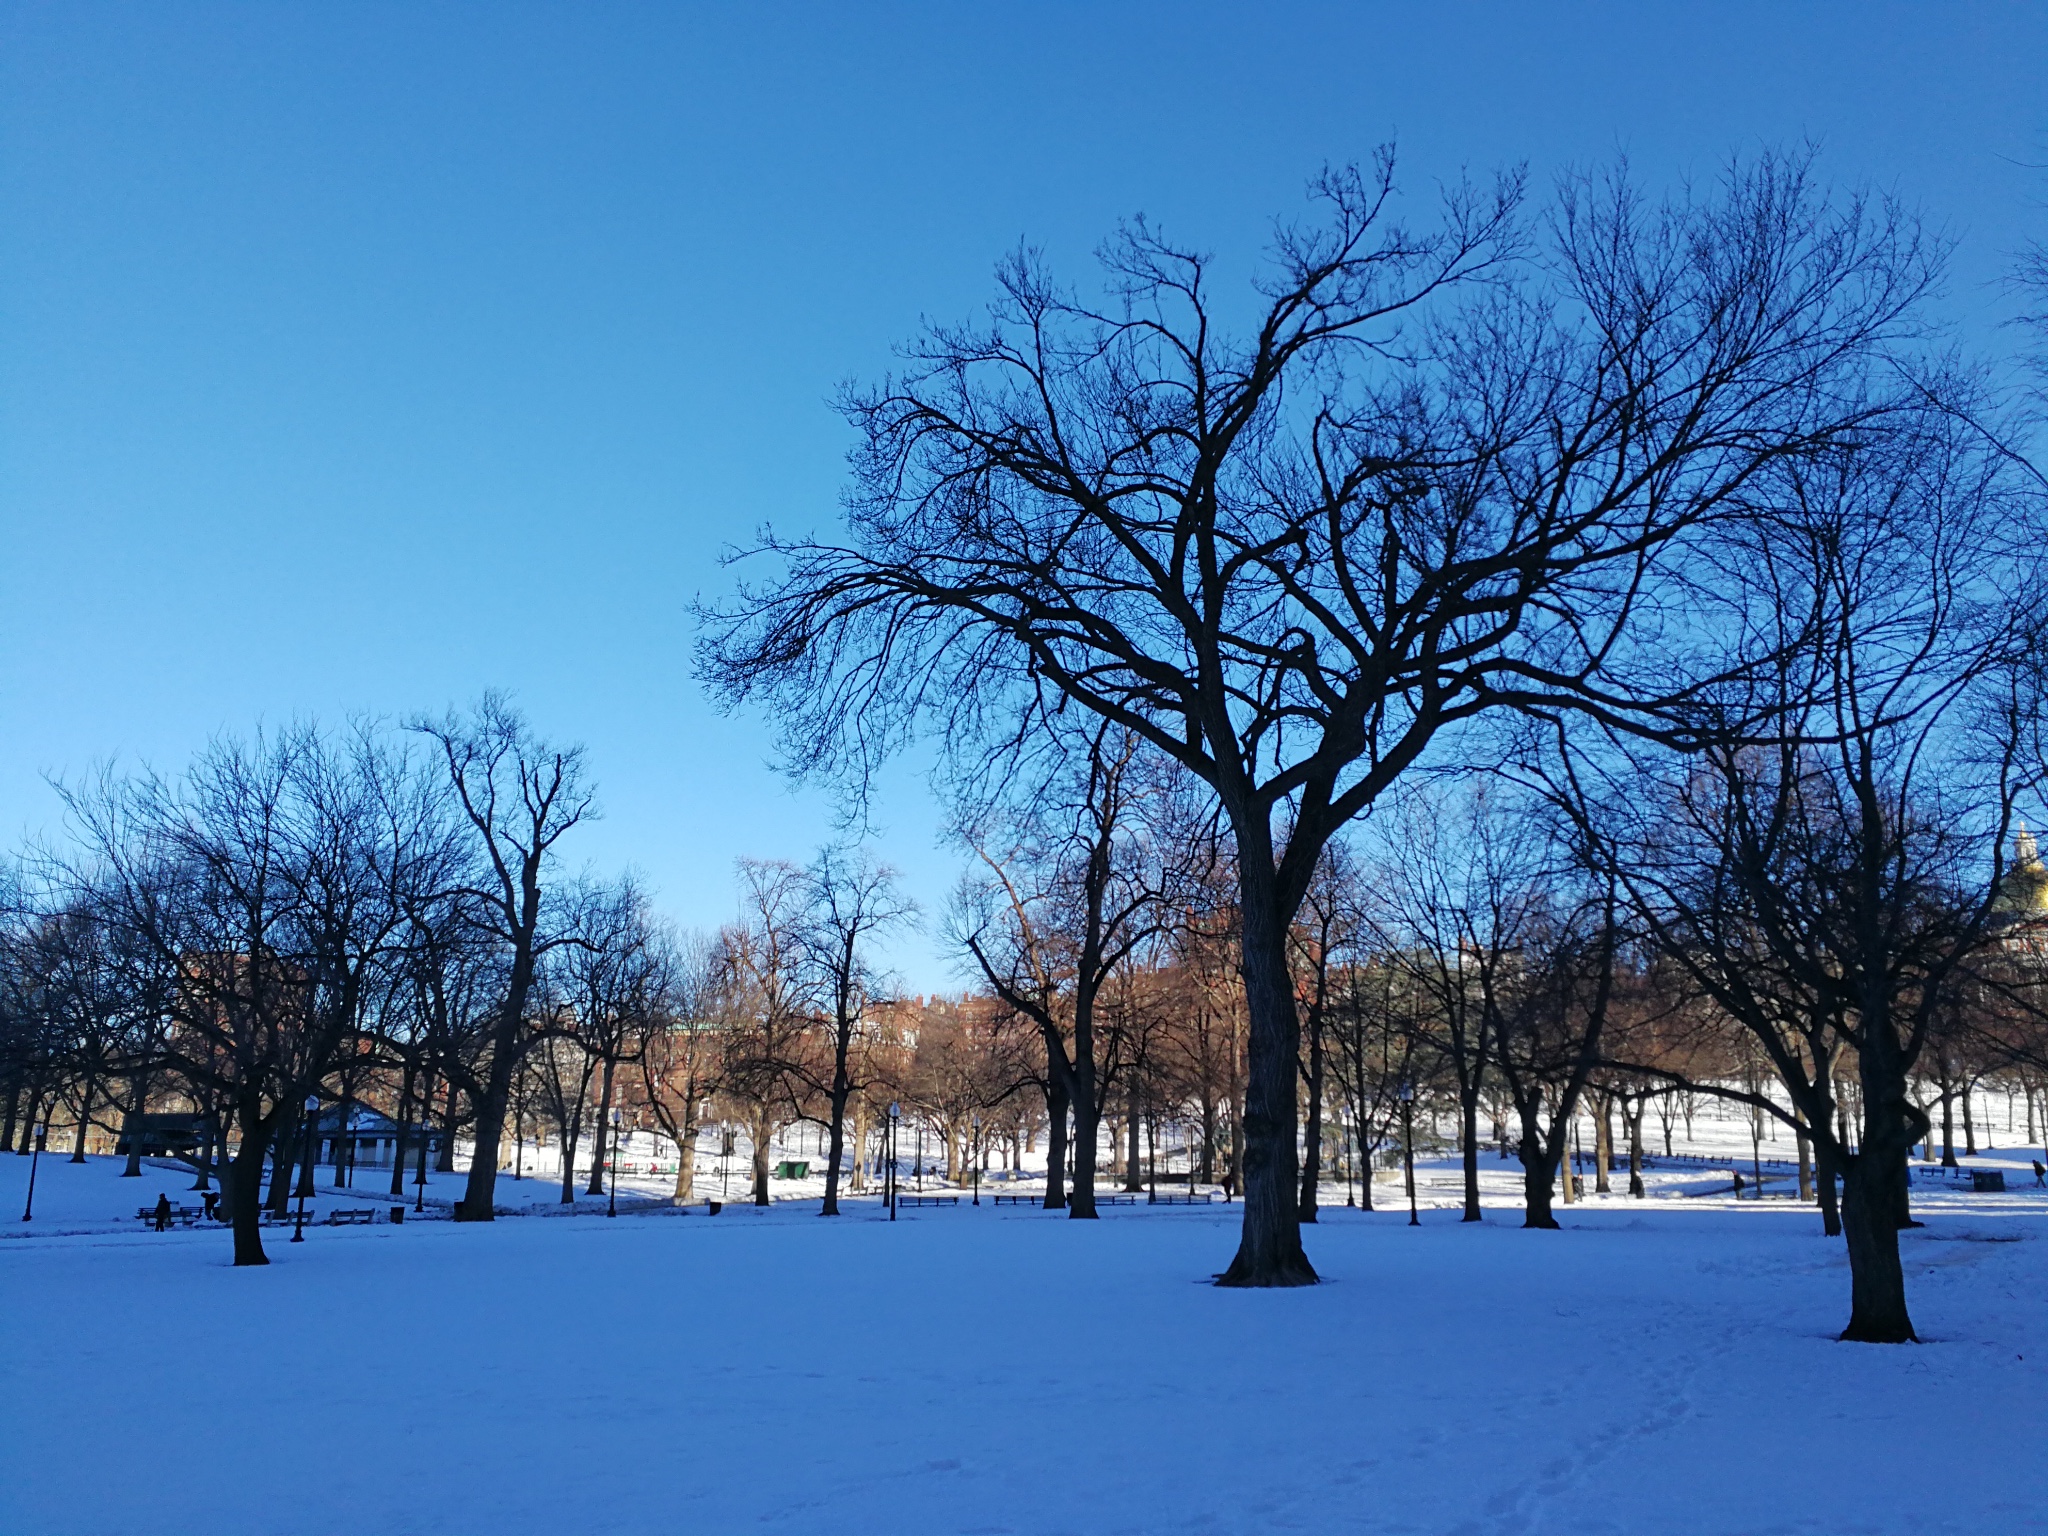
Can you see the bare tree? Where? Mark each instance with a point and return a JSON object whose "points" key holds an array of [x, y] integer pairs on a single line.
{"points": [[1291, 561], [1092, 871], [1452, 884], [273, 882], [771, 994], [520, 797], [681, 1050], [1831, 886], [850, 900]]}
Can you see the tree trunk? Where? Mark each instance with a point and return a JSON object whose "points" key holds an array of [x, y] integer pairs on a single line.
{"points": [[244, 1180], [761, 1132], [856, 1175], [405, 1087], [1085, 1147], [1877, 1282], [835, 1141], [1948, 1128], [14, 1110], [1969, 1124], [344, 1140], [1208, 1171], [1468, 1137], [206, 1144], [1133, 1116], [605, 1137], [1269, 1249], [1312, 1135], [686, 1152], [1872, 1209], [1634, 1122], [1055, 1145], [480, 1193], [444, 1159], [1539, 1169], [84, 1118], [284, 1146], [571, 1131], [1805, 1163], [1603, 1144], [1824, 1181], [132, 1169]]}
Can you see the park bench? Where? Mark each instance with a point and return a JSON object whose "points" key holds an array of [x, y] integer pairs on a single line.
{"points": [[359, 1217], [927, 1199], [183, 1215], [1200, 1197], [1116, 1199], [1017, 1199]]}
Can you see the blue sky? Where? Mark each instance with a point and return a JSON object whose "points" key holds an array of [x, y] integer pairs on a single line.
{"points": [[359, 358]]}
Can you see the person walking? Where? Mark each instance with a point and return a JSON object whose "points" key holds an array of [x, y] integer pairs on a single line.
{"points": [[163, 1212]]}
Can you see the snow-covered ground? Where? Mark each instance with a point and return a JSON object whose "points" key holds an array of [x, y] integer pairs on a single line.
{"points": [[1661, 1366]]}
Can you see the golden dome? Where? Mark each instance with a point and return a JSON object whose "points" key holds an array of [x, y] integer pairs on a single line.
{"points": [[2024, 890]]}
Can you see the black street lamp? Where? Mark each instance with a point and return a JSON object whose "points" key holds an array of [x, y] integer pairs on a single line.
{"points": [[313, 1134], [1152, 1164], [889, 1169], [1407, 1096], [35, 1158], [612, 1204]]}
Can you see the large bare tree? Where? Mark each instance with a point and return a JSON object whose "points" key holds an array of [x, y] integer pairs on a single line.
{"points": [[520, 797], [1429, 475], [851, 901], [1834, 890]]}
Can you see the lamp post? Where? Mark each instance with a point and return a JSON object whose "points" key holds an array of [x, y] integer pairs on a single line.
{"points": [[1407, 1096], [1152, 1161], [889, 1168], [313, 1132], [419, 1177], [35, 1158], [974, 1153], [611, 1207]]}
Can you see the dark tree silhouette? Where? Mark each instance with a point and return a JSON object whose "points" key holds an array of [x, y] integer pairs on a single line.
{"points": [[1431, 477], [1833, 888], [520, 797]]}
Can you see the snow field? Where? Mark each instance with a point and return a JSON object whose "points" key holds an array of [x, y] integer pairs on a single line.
{"points": [[1662, 1366]]}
